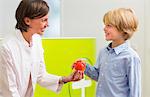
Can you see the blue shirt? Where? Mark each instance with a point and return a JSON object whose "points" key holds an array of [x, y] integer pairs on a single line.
{"points": [[117, 72]]}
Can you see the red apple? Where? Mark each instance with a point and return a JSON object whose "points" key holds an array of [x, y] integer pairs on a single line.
{"points": [[79, 65]]}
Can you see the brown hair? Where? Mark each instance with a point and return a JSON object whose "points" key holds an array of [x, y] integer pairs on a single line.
{"points": [[31, 9]]}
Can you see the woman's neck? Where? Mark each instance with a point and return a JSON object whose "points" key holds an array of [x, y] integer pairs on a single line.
{"points": [[28, 37]]}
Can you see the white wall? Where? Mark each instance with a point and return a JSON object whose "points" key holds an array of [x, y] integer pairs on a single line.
{"points": [[84, 18], [147, 50], [0, 20], [7, 16]]}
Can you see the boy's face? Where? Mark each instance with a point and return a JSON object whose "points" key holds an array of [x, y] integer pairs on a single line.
{"points": [[38, 25], [112, 34]]}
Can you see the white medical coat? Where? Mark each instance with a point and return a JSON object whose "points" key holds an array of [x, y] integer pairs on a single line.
{"points": [[19, 62]]}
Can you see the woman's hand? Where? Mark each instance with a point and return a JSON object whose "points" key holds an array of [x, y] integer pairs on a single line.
{"points": [[75, 76]]}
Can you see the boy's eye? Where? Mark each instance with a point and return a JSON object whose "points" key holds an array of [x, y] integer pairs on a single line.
{"points": [[109, 25]]}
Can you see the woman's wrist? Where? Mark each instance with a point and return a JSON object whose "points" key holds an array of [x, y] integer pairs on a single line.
{"points": [[63, 80]]}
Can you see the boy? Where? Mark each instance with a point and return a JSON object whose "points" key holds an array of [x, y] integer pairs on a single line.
{"points": [[118, 66]]}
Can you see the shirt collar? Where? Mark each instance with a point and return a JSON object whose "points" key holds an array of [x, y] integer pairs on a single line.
{"points": [[119, 48], [21, 38]]}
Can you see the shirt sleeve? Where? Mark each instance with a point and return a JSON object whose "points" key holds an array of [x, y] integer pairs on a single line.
{"points": [[135, 77], [93, 71], [45, 79], [8, 83]]}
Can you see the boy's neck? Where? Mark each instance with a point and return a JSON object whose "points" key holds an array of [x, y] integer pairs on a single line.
{"points": [[117, 43]]}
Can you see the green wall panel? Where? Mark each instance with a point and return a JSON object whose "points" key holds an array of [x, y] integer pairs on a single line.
{"points": [[59, 56]]}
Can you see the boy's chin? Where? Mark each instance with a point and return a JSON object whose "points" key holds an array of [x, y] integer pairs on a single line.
{"points": [[108, 39]]}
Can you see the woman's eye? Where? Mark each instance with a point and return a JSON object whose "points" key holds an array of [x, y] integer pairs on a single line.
{"points": [[44, 20]]}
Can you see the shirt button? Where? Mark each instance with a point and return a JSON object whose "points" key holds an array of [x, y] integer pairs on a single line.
{"points": [[99, 85], [115, 65]]}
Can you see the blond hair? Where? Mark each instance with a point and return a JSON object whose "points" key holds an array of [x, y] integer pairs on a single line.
{"points": [[123, 19]]}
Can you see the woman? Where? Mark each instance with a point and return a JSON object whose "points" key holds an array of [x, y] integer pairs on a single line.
{"points": [[21, 56]]}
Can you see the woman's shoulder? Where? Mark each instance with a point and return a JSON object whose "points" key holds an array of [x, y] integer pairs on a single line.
{"points": [[7, 41]]}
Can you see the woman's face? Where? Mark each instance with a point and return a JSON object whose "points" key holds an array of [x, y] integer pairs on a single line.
{"points": [[38, 25]]}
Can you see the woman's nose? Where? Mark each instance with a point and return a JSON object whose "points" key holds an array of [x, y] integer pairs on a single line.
{"points": [[46, 26]]}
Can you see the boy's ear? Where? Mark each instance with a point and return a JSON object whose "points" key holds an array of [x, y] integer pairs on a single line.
{"points": [[27, 20]]}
